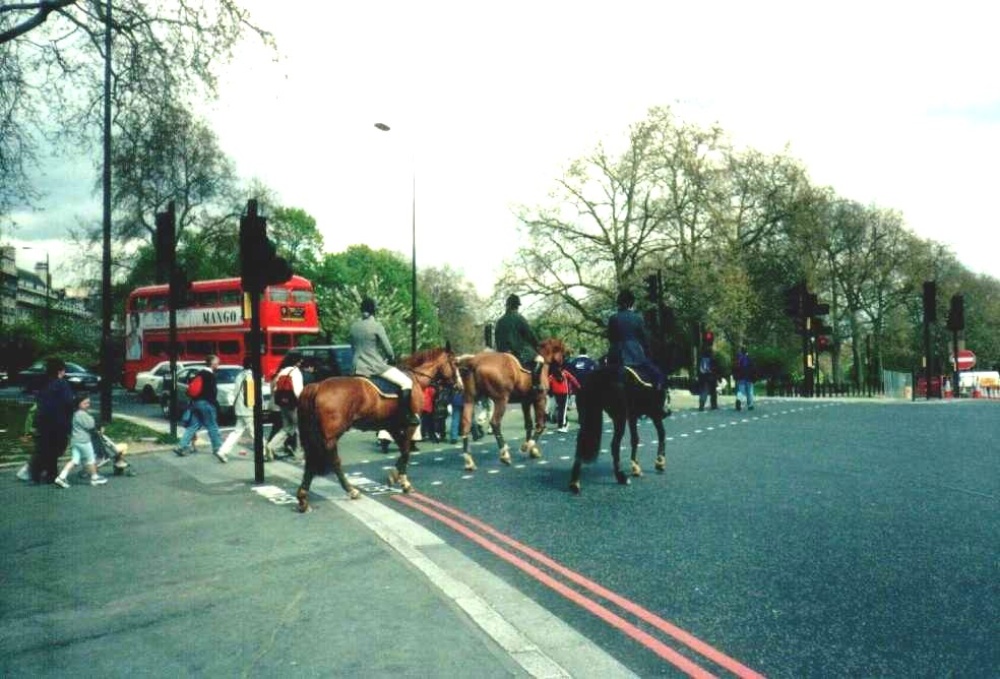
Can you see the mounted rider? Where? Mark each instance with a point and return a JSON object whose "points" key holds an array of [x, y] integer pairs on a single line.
{"points": [[514, 336], [373, 356], [628, 344]]}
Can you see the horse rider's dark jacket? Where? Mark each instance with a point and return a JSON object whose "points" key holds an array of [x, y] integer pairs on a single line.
{"points": [[514, 335], [627, 338]]}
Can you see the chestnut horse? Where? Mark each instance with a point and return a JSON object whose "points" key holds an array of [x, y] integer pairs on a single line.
{"points": [[329, 408], [500, 377], [604, 391]]}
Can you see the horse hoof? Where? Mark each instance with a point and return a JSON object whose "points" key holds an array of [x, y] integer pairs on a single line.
{"points": [[505, 457], [393, 478], [302, 495], [661, 463], [622, 478], [525, 447], [470, 464], [405, 484], [574, 487], [636, 469], [354, 494], [535, 452]]}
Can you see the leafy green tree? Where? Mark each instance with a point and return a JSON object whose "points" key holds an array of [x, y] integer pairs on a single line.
{"points": [[459, 310]]}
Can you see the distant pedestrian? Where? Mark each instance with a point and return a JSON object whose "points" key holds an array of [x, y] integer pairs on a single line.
{"points": [[81, 445], [743, 373], [204, 407], [243, 403], [457, 406], [52, 423], [288, 384], [708, 379], [561, 383]]}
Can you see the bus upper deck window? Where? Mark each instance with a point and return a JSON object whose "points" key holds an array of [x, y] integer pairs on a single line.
{"points": [[207, 298], [302, 296], [158, 303], [230, 297]]}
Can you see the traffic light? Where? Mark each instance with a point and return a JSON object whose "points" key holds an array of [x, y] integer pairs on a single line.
{"points": [[956, 315], [488, 334], [930, 301], [795, 300], [180, 289], [260, 265], [653, 290], [822, 343], [166, 243], [707, 338]]}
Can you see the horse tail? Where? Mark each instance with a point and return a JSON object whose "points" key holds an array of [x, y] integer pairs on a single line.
{"points": [[590, 412], [310, 435]]}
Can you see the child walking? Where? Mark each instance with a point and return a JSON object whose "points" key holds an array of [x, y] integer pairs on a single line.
{"points": [[81, 446]]}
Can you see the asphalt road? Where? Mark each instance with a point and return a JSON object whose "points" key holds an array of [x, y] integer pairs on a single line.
{"points": [[805, 538]]}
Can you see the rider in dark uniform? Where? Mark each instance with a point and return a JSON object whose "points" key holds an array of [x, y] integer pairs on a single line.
{"points": [[629, 347], [514, 336]]}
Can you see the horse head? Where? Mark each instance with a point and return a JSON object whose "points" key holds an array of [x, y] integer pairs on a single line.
{"points": [[552, 350], [438, 365]]}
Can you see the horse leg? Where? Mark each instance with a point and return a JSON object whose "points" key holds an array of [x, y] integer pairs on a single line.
{"points": [[633, 434], [574, 477], [616, 449], [302, 494], [532, 431], [467, 411], [352, 492], [398, 475], [661, 444], [499, 407]]}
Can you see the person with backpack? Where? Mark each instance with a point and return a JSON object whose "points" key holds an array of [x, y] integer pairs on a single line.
{"points": [[204, 408], [242, 407], [285, 394]]}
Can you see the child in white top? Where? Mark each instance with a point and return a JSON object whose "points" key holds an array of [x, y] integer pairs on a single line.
{"points": [[81, 445]]}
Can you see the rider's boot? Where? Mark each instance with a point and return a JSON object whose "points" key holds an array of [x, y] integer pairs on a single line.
{"points": [[406, 414], [536, 377]]}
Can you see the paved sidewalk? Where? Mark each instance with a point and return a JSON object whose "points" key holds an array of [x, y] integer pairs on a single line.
{"points": [[189, 569]]}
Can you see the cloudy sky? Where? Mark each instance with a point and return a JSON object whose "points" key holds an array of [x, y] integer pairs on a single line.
{"points": [[891, 103]]}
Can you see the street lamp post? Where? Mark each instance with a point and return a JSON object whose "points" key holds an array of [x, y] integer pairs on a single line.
{"points": [[413, 255]]}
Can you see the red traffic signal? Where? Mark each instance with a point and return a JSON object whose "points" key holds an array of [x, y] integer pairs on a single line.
{"points": [[822, 343], [708, 337]]}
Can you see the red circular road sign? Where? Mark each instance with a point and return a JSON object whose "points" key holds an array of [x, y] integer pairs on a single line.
{"points": [[966, 360]]}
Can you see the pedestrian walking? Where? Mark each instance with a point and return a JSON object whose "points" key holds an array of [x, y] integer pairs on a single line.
{"points": [[53, 421], [204, 409], [81, 445], [561, 383], [285, 394], [708, 379], [243, 404], [743, 372]]}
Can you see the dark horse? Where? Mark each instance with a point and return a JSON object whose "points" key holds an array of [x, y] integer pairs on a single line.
{"points": [[329, 408], [500, 377], [624, 398]]}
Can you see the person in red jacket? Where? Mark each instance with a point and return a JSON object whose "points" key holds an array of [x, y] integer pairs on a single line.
{"points": [[561, 383]]}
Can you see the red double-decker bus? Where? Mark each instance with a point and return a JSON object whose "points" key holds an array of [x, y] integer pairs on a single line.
{"points": [[216, 322]]}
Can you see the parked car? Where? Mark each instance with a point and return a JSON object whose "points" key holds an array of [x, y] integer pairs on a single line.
{"points": [[149, 383], [34, 378], [225, 378], [3, 378], [332, 360]]}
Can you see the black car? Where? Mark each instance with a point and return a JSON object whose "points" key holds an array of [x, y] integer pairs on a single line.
{"points": [[34, 378], [331, 360]]}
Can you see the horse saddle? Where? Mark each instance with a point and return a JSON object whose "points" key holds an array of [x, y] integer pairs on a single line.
{"points": [[385, 388]]}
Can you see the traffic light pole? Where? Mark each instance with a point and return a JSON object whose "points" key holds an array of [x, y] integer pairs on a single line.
{"points": [[258, 405]]}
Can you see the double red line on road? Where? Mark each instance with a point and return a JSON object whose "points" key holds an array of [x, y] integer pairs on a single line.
{"points": [[484, 535]]}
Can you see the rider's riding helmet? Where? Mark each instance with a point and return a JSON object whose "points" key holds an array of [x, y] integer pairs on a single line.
{"points": [[368, 306], [513, 302], [626, 300]]}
